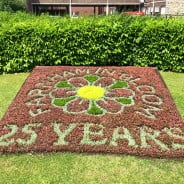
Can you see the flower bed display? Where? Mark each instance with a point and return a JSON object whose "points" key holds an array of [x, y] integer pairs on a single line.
{"points": [[123, 110]]}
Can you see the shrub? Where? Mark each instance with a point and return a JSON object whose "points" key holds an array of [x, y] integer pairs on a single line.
{"points": [[27, 41]]}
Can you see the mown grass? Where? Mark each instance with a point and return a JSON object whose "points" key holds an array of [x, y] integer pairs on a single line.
{"points": [[9, 86], [72, 168], [175, 83]]}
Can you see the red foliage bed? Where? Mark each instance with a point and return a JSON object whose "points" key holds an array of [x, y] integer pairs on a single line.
{"points": [[125, 110]]}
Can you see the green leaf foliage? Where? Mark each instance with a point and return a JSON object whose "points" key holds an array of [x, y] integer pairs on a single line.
{"points": [[12, 5], [28, 40], [119, 84], [91, 78], [94, 109], [63, 84], [62, 101], [124, 100]]}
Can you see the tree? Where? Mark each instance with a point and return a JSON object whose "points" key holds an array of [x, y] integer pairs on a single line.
{"points": [[12, 5]]}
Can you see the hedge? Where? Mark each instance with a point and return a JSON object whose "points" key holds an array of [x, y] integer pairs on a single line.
{"points": [[28, 40]]}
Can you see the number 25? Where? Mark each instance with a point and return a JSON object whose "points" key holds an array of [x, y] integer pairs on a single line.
{"points": [[4, 141]]}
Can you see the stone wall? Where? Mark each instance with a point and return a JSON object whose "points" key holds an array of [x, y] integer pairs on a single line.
{"points": [[175, 7]]}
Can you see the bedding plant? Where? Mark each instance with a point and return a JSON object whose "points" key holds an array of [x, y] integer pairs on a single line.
{"points": [[124, 110]]}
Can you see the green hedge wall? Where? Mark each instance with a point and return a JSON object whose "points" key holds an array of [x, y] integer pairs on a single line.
{"points": [[27, 41]]}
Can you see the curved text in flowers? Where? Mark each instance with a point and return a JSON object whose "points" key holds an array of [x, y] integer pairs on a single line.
{"points": [[47, 92]]}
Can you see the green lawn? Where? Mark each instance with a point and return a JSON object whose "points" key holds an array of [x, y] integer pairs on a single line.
{"points": [[71, 168]]}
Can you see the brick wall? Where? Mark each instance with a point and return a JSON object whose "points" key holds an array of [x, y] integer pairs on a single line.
{"points": [[83, 9], [93, 10], [174, 7], [88, 1]]}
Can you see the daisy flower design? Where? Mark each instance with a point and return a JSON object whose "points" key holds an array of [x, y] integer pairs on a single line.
{"points": [[92, 94]]}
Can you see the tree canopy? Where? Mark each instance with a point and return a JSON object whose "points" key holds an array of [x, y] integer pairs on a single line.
{"points": [[12, 5]]}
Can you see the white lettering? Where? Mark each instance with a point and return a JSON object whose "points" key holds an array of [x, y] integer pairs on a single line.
{"points": [[62, 134]]}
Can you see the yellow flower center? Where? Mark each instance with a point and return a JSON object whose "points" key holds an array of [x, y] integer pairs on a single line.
{"points": [[91, 92]]}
